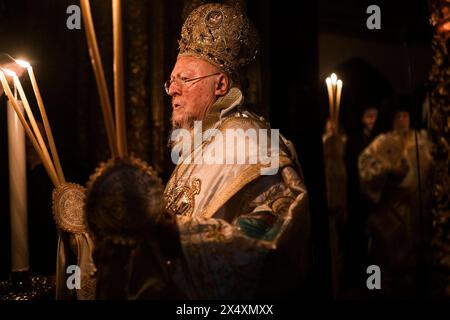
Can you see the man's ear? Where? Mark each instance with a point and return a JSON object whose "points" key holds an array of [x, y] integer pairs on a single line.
{"points": [[222, 85]]}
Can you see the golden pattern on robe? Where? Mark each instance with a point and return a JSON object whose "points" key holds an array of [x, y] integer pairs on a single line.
{"points": [[69, 214], [394, 151], [181, 199], [220, 34], [389, 174], [68, 202], [239, 217]]}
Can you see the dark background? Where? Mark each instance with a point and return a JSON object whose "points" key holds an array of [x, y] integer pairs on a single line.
{"points": [[301, 44]]}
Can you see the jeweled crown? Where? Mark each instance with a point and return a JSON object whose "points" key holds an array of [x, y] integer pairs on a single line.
{"points": [[220, 34]]}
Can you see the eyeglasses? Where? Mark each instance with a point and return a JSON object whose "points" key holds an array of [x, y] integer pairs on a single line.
{"points": [[183, 81]]}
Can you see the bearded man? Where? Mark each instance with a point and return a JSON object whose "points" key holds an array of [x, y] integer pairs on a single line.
{"points": [[242, 209]]}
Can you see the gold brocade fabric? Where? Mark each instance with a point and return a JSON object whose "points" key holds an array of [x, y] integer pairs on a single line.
{"points": [[389, 173], [233, 221], [69, 215], [220, 34], [394, 153]]}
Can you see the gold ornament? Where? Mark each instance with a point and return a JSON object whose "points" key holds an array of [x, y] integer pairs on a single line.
{"points": [[68, 207], [220, 34], [181, 199]]}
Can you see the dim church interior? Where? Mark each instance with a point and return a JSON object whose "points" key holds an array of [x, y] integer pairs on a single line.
{"points": [[299, 48]]}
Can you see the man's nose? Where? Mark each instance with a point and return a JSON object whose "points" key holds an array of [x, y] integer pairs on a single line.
{"points": [[174, 89]]}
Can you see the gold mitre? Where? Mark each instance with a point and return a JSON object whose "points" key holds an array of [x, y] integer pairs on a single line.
{"points": [[220, 34]]}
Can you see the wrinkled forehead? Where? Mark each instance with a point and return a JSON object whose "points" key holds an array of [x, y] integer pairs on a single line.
{"points": [[192, 66]]}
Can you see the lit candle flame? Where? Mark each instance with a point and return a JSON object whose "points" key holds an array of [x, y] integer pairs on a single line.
{"points": [[333, 78], [330, 96], [22, 63], [9, 72]]}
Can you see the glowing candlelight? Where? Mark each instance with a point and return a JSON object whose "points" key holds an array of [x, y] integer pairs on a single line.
{"points": [[330, 96], [28, 131], [34, 125], [333, 78], [17, 182], [333, 86], [338, 98], [8, 73], [47, 127], [17, 174]]}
